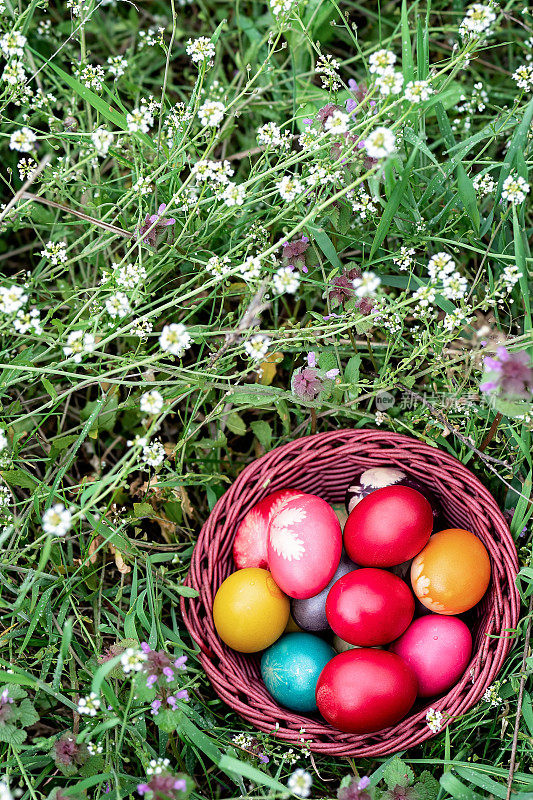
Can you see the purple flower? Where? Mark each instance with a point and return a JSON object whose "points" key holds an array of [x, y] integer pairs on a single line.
{"points": [[308, 382], [355, 790], [180, 662], [169, 673], [183, 694], [150, 236], [363, 783], [5, 706], [294, 252], [156, 705], [163, 787], [509, 374], [68, 755], [150, 680], [340, 290]]}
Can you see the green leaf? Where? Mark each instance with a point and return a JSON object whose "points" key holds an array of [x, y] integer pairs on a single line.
{"points": [[351, 374], [427, 786], [263, 432], [483, 781], [407, 51], [229, 764], [12, 735], [457, 789], [393, 203], [398, 773], [465, 187], [185, 591], [236, 424], [326, 245], [17, 477]]}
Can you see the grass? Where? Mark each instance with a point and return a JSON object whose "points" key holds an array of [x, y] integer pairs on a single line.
{"points": [[136, 478]]}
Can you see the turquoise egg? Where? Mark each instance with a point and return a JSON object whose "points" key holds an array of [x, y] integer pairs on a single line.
{"points": [[291, 667]]}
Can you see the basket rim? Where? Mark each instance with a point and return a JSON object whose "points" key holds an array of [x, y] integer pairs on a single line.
{"points": [[232, 674]]}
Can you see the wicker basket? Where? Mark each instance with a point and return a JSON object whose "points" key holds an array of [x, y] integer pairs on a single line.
{"points": [[324, 465]]}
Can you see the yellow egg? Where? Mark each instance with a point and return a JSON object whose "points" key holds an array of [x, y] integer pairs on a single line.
{"points": [[250, 611]]}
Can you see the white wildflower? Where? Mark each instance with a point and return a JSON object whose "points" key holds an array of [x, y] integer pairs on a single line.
{"points": [[55, 252], [418, 91], [132, 660], [102, 140], [22, 140], [286, 281], [211, 113], [174, 339], [300, 783], [434, 720], [57, 520], [389, 81], [257, 346], [366, 285], [151, 402], [89, 705], [78, 344], [381, 143], [515, 189], [234, 194], [118, 305], [381, 60], [200, 50], [12, 298], [289, 187]]}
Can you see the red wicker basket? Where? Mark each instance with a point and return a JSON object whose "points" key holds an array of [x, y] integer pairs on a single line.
{"points": [[325, 464]]}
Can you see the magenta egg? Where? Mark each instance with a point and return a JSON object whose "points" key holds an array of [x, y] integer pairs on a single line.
{"points": [[250, 543], [438, 649], [304, 545]]}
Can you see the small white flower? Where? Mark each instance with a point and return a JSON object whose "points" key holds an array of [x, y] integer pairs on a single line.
{"points": [[524, 77], [381, 60], [257, 346], [440, 265], [57, 520], [117, 66], [151, 402], [280, 7], [118, 305], [91, 75], [234, 194], [14, 73], [454, 286], [478, 20], [405, 259], [289, 188], [211, 113], [157, 766], [12, 44], [300, 783], [153, 454], [3, 439], [200, 50], [102, 140], [337, 122], [94, 748], [79, 343], [129, 275], [218, 266], [418, 91], [381, 143], [22, 140], [174, 339], [12, 298], [271, 135], [132, 660], [492, 696], [28, 320], [89, 705], [389, 81], [286, 280], [5, 792], [484, 184], [251, 268], [55, 252], [434, 720], [140, 119], [515, 189], [143, 185], [363, 205], [366, 285]]}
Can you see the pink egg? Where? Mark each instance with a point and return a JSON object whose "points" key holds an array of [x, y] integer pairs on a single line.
{"points": [[438, 649], [304, 545], [250, 543]]}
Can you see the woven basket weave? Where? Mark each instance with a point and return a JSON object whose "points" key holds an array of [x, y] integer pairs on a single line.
{"points": [[325, 464]]}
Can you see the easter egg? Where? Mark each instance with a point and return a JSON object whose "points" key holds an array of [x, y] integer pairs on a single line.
{"points": [[250, 543], [380, 477], [310, 613], [250, 611], [304, 545], [369, 607], [452, 572], [438, 649], [363, 690], [291, 667], [387, 527]]}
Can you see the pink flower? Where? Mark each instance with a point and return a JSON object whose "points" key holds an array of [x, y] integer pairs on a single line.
{"points": [[150, 236], [307, 382], [509, 374]]}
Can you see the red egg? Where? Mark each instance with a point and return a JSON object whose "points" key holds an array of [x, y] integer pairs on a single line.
{"points": [[304, 545], [387, 527], [369, 607], [362, 691], [250, 543], [438, 649]]}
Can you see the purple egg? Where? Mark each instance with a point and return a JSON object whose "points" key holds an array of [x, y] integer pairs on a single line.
{"points": [[379, 477], [310, 613]]}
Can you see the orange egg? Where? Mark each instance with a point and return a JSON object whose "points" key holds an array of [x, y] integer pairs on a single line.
{"points": [[250, 611], [451, 574]]}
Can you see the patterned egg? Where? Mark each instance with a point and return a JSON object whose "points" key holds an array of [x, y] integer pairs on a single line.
{"points": [[291, 668], [310, 614], [250, 611], [369, 607], [452, 573], [438, 649], [380, 477], [387, 527], [250, 543], [363, 690], [304, 545]]}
